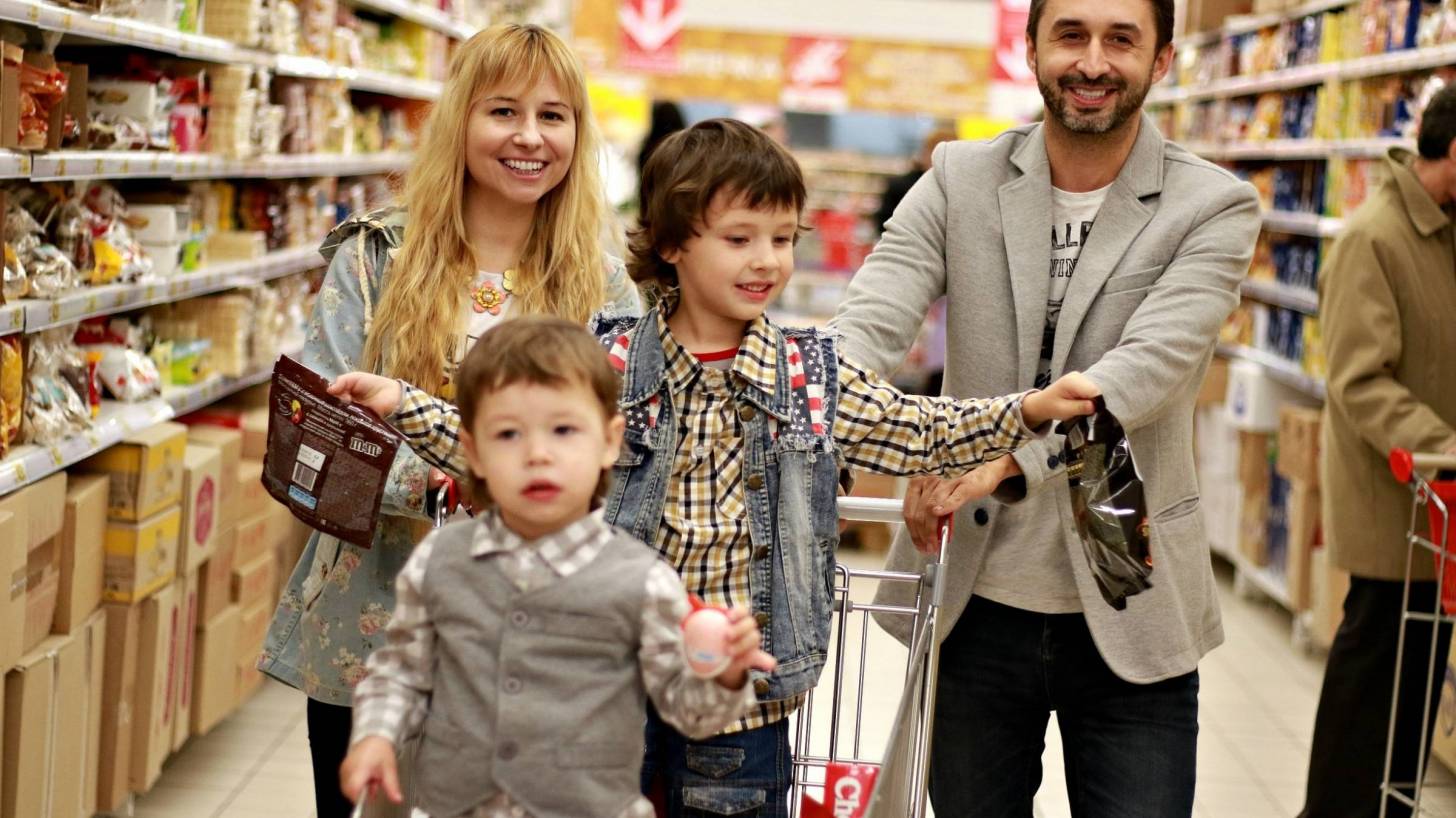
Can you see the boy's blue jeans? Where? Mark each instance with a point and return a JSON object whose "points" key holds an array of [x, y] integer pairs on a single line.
{"points": [[740, 774], [1130, 750]]}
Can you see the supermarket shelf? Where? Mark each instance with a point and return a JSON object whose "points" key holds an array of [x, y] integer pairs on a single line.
{"points": [[143, 164], [1265, 579], [12, 317], [1297, 148], [211, 49], [93, 301], [1272, 292], [1286, 372], [1395, 62], [419, 13], [1303, 224], [29, 463]]}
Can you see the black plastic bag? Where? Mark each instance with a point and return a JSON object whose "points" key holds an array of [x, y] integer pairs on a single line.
{"points": [[1108, 504]]}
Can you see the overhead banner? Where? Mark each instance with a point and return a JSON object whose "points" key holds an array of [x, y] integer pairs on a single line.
{"points": [[797, 73]]}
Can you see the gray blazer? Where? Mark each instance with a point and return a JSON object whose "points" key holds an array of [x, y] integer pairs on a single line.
{"points": [[1173, 241]]}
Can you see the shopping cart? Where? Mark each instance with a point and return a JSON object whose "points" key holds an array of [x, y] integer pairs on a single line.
{"points": [[899, 784], [1438, 497]]}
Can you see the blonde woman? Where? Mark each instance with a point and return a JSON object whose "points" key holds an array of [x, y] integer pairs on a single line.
{"points": [[503, 215]]}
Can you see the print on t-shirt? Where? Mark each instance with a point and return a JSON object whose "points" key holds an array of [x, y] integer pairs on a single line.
{"points": [[1072, 218]]}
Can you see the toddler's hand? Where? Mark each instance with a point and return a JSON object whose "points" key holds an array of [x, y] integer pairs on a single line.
{"points": [[370, 764], [376, 392], [744, 639], [1069, 397]]}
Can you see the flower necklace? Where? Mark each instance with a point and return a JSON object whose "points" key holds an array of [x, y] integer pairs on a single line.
{"points": [[489, 298]]}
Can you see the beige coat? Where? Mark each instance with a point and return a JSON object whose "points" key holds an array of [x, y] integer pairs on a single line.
{"points": [[1388, 316]]}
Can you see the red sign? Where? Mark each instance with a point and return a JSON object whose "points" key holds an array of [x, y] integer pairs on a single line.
{"points": [[1008, 62], [847, 790], [203, 502], [814, 70], [650, 33]]}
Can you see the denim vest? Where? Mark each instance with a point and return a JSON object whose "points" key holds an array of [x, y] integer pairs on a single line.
{"points": [[790, 481]]}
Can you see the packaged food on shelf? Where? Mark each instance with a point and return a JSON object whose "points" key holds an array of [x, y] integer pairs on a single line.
{"points": [[12, 391], [54, 409]]}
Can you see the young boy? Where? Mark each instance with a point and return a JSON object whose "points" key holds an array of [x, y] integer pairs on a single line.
{"points": [[737, 432], [524, 640]]}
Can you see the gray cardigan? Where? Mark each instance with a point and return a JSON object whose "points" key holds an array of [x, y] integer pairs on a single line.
{"points": [[1173, 241]]}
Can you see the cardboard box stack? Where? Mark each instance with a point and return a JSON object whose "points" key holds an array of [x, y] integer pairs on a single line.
{"points": [[33, 559], [1298, 463]]}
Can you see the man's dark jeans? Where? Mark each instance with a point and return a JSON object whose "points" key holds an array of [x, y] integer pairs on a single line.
{"points": [[746, 774], [1130, 750]]}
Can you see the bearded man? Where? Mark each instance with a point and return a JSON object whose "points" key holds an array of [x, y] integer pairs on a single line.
{"points": [[1085, 242]]}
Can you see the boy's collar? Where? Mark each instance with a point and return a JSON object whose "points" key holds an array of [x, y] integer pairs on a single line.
{"points": [[760, 357]]}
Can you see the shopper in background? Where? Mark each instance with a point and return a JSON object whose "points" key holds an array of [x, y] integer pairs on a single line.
{"points": [[667, 119], [898, 186], [536, 631], [502, 216], [736, 431], [1005, 229], [1388, 318]]}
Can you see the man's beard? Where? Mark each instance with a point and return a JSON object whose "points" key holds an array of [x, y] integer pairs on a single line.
{"points": [[1129, 101]]}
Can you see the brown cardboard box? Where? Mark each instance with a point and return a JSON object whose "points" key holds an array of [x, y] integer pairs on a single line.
{"points": [[184, 660], [10, 95], [43, 504], [29, 705], [151, 738], [229, 446], [255, 582], [14, 535], [141, 557], [83, 551], [1303, 520], [118, 717], [1443, 738], [1254, 502], [1215, 383], [69, 737], [254, 499], [145, 469], [42, 588], [250, 680], [95, 635], [215, 690], [254, 426], [254, 631], [252, 539], [201, 470], [215, 589], [1299, 444], [1207, 15]]}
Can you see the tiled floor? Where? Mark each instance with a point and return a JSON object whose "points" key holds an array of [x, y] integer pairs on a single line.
{"points": [[1258, 701]]}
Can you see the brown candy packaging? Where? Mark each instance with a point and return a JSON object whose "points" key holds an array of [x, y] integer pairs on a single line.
{"points": [[327, 460]]}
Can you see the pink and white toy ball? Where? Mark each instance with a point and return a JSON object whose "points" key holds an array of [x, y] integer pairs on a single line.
{"points": [[706, 639]]}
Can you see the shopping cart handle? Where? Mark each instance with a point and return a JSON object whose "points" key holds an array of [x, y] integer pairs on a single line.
{"points": [[1404, 463], [872, 509]]}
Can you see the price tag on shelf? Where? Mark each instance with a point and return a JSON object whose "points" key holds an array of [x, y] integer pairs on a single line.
{"points": [[56, 456], [92, 303], [18, 471], [55, 311]]}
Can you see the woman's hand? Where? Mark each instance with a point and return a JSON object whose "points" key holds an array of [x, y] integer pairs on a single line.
{"points": [[375, 392]]}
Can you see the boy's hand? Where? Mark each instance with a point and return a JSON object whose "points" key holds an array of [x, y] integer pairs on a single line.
{"points": [[1069, 397], [928, 499], [744, 639], [370, 764], [375, 392]]}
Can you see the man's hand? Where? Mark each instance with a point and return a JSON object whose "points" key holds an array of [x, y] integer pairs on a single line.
{"points": [[928, 499], [1069, 397], [375, 392], [744, 641], [370, 764]]}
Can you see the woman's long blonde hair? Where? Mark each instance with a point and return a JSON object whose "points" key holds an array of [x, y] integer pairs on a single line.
{"points": [[561, 270]]}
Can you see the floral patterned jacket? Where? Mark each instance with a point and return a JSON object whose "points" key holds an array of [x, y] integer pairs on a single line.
{"points": [[339, 597]]}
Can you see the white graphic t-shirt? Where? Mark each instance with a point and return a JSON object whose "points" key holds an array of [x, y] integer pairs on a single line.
{"points": [[1039, 578]]}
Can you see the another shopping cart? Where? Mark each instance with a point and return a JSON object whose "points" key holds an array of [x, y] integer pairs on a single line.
{"points": [[835, 769], [1438, 496]]}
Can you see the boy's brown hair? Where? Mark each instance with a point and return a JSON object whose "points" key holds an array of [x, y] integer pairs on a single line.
{"points": [[687, 170], [533, 349]]}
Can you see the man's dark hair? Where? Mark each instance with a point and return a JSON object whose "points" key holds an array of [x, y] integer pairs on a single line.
{"points": [[1162, 18], [1438, 125], [683, 175]]}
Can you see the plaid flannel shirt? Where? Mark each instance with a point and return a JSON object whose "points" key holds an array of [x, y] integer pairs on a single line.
{"points": [[704, 531], [391, 701]]}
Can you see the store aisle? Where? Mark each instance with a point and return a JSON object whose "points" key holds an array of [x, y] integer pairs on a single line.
{"points": [[1258, 700]]}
